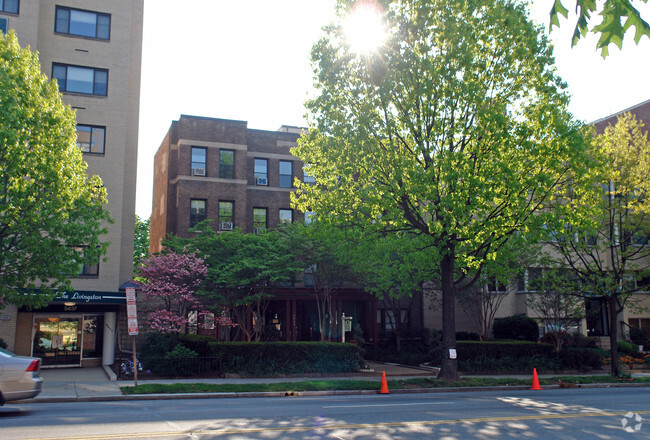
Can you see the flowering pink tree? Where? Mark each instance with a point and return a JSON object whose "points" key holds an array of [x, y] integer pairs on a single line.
{"points": [[169, 283]]}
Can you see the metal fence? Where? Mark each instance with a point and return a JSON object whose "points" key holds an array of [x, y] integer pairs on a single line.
{"points": [[168, 367]]}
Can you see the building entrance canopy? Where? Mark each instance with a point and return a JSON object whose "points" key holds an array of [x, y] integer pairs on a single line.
{"points": [[90, 297]]}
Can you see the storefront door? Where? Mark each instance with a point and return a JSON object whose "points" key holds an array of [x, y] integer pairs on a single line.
{"points": [[57, 340]]}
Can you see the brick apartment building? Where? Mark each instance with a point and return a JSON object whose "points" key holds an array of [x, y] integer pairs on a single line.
{"points": [[223, 171], [93, 48]]}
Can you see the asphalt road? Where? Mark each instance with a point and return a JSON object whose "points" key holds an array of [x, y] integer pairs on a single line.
{"points": [[548, 414]]}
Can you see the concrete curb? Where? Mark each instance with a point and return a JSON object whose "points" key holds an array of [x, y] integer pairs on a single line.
{"points": [[178, 396]]}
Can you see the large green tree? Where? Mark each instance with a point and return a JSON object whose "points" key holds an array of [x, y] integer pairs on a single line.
{"points": [[610, 256], [243, 270], [141, 241], [51, 212], [455, 130], [393, 268], [617, 17], [322, 251]]}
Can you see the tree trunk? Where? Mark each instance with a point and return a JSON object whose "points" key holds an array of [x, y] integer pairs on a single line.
{"points": [[449, 367], [613, 334]]}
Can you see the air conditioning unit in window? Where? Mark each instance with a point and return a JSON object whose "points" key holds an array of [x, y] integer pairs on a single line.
{"points": [[258, 231], [198, 171], [225, 226], [262, 181]]}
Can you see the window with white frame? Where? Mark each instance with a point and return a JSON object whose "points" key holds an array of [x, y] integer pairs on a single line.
{"points": [[82, 23], [497, 286], [79, 79]]}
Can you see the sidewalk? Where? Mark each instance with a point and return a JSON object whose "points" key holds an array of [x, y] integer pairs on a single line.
{"points": [[96, 384]]}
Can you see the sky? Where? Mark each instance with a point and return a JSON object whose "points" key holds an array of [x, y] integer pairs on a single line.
{"points": [[249, 60]]}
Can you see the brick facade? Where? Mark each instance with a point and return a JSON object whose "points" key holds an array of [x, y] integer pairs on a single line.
{"points": [[175, 186]]}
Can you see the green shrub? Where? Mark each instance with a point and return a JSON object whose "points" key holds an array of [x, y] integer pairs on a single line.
{"points": [[502, 356], [516, 327], [637, 336], [578, 340], [274, 358], [410, 354], [467, 336], [182, 361], [507, 364], [583, 359], [198, 343], [625, 347], [499, 349]]}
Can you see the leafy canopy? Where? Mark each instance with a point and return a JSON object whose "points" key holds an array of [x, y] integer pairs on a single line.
{"points": [[141, 241], [51, 212], [169, 284], [456, 130], [618, 16]]}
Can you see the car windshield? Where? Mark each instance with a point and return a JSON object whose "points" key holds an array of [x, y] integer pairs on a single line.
{"points": [[6, 352]]}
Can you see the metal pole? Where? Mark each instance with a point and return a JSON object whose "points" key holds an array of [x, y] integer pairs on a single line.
{"points": [[135, 365]]}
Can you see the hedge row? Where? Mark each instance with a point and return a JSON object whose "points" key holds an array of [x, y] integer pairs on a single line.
{"points": [[499, 349], [268, 358], [264, 358]]}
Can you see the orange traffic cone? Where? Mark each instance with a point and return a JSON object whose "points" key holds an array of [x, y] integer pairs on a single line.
{"points": [[384, 384], [535, 381]]}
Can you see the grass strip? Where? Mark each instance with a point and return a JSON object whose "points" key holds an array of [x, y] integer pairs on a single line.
{"points": [[332, 385]]}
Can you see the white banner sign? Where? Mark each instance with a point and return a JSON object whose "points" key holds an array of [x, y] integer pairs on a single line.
{"points": [[131, 311]]}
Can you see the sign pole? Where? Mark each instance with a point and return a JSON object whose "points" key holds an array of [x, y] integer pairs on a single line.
{"points": [[135, 365], [132, 318]]}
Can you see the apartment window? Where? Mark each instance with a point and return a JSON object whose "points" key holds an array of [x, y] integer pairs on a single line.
{"points": [[494, 285], [197, 211], [259, 219], [4, 24], [91, 138], [286, 216], [198, 161], [82, 23], [307, 178], [309, 276], [286, 174], [77, 79], [227, 164], [226, 210], [10, 6], [87, 270], [261, 172]]}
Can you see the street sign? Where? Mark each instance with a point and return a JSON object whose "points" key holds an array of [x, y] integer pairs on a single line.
{"points": [[131, 311]]}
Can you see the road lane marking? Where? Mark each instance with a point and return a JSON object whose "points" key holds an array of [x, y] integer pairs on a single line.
{"points": [[390, 404], [340, 426]]}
